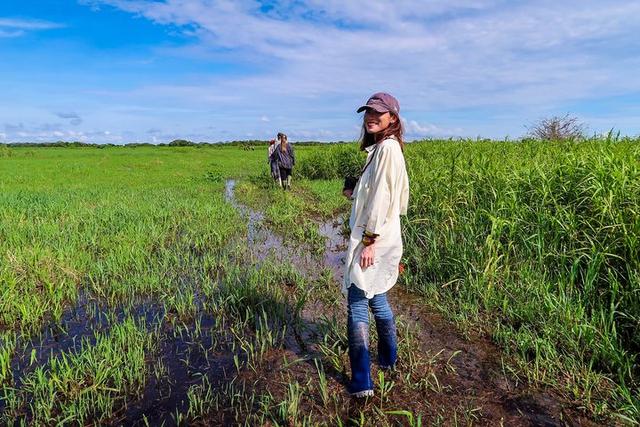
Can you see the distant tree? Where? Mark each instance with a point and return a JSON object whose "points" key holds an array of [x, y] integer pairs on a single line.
{"points": [[557, 128], [180, 143]]}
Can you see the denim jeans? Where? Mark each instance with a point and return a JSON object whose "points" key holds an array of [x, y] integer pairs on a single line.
{"points": [[358, 333], [358, 308]]}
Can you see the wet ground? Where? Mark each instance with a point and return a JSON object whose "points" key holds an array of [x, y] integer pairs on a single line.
{"points": [[468, 371], [461, 375]]}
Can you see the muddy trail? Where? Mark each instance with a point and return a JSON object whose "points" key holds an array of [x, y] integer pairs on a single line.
{"points": [[446, 378], [443, 377]]}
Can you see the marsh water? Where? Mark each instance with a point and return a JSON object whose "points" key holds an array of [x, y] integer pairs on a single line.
{"points": [[469, 368], [185, 362]]}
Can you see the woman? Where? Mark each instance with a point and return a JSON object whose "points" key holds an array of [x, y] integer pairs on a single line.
{"points": [[375, 246], [285, 158], [275, 171]]}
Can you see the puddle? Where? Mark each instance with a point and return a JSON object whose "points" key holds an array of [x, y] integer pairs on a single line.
{"points": [[265, 244], [469, 370], [162, 397], [478, 378], [82, 322], [255, 233], [335, 247]]}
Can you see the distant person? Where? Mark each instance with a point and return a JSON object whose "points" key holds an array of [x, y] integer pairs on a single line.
{"points": [[285, 158], [379, 196], [275, 171]]}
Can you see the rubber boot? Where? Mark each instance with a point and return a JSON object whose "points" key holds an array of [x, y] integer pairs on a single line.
{"points": [[280, 182], [387, 343], [289, 182], [361, 384]]}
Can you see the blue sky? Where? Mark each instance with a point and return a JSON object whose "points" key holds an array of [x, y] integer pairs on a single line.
{"points": [[155, 70]]}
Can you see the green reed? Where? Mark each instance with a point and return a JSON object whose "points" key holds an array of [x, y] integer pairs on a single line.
{"points": [[537, 241]]}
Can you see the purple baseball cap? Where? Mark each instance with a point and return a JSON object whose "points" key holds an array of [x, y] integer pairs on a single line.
{"points": [[382, 102]]}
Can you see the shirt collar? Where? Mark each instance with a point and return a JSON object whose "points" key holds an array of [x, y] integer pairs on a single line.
{"points": [[372, 147]]}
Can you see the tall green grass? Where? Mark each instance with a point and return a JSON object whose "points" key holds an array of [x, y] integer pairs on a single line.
{"points": [[537, 240], [117, 223]]}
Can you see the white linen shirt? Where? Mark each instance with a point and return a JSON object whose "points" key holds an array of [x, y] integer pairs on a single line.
{"points": [[380, 197]]}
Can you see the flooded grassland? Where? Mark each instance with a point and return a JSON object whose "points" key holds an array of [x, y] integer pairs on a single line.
{"points": [[177, 286]]}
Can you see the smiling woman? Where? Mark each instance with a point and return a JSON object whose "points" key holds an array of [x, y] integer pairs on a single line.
{"points": [[375, 245]]}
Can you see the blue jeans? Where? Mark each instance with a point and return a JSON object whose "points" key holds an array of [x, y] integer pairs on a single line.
{"points": [[358, 308], [358, 333]]}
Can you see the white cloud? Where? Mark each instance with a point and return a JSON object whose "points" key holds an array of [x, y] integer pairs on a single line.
{"points": [[11, 33], [453, 65], [440, 54], [413, 129], [18, 27], [28, 24]]}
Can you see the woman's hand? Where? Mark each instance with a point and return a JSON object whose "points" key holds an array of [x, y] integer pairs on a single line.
{"points": [[368, 253], [347, 193]]}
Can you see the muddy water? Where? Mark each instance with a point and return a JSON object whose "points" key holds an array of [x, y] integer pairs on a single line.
{"points": [[335, 247], [478, 377], [90, 316], [162, 397], [469, 368], [265, 245]]}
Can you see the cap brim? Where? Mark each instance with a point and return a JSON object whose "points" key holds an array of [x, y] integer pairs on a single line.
{"points": [[378, 108]]}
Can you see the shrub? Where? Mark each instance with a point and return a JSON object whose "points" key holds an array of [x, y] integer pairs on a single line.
{"points": [[332, 162]]}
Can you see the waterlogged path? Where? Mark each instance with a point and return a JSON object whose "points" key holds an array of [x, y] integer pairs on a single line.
{"points": [[263, 243], [445, 378], [204, 369]]}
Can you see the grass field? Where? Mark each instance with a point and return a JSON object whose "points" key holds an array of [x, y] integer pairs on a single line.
{"points": [[134, 290]]}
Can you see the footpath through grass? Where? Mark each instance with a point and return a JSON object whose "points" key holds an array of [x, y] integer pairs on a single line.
{"points": [[538, 243], [125, 278]]}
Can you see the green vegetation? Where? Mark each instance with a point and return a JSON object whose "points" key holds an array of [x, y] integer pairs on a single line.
{"points": [[127, 279], [539, 243]]}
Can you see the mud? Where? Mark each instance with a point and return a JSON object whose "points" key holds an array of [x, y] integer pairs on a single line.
{"points": [[184, 360], [470, 380], [470, 377], [475, 375]]}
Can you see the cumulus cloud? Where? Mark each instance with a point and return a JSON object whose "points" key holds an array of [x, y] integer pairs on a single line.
{"points": [[327, 56], [311, 62], [413, 129], [436, 53]]}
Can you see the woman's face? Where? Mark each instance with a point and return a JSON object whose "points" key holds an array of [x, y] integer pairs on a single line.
{"points": [[376, 122]]}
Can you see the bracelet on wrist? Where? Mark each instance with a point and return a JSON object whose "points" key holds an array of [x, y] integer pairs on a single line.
{"points": [[368, 238], [367, 241]]}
